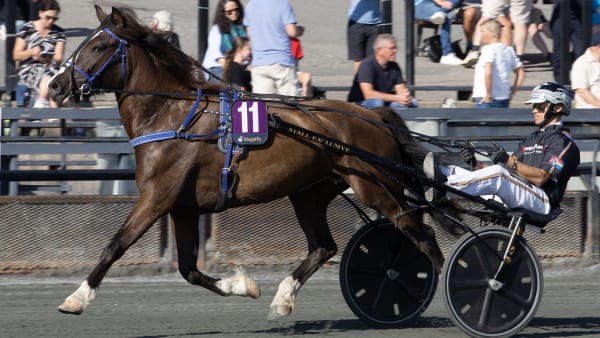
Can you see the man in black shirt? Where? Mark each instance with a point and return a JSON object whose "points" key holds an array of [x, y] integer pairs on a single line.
{"points": [[535, 176], [379, 80]]}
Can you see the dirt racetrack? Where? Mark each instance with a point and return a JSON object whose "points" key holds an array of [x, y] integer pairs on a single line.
{"points": [[166, 306]]}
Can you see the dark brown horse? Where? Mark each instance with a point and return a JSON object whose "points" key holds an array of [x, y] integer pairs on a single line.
{"points": [[156, 86]]}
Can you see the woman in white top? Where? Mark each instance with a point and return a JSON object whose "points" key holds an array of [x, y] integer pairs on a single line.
{"points": [[227, 27], [491, 82]]}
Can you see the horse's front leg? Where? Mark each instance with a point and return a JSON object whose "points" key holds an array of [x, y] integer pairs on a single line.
{"points": [[311, 210], [144, 214], [185, 224]]}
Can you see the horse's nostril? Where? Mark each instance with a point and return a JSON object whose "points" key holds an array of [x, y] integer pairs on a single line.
{"points": [[54, 85]]}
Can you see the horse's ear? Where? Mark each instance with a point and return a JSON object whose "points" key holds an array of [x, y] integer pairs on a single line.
{"points": [[100, 13], [117, 18]]}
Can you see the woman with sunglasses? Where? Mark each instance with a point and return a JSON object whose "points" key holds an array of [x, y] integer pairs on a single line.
{"points": [[227, 27], [38, 51]]}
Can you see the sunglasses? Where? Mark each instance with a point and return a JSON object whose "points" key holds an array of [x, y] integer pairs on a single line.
{"points": [[48, 17], [539, 106], [232, 11]]}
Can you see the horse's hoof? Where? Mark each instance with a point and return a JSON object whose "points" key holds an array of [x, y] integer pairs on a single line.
{"points": [[278, 311], [252, 288], [70, 307]]}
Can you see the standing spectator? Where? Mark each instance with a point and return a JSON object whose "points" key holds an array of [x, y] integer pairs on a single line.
{"points": [[163, 22], [236, 64], [575, 32], [585, 76], [438, 12], [471, 13], [364, 20], [519, 11], [227, 26], [39, 49], [537, 25], [379, 80], [270, 25], [491, 83]]}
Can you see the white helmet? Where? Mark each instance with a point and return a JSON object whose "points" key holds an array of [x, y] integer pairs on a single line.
{"points": [[553, 93]]}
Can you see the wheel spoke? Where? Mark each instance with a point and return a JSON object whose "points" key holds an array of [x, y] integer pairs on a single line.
{"points": [[480, 284], [486, 307], [367, 271]]}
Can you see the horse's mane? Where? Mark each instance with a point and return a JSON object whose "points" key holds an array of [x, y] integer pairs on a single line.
{"points": [[182, 67]]}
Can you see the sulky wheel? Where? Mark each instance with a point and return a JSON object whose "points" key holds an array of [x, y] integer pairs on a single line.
{"points": [[384, 278], [471, 301]]}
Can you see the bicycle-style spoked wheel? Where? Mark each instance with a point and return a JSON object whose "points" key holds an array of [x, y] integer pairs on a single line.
{"points": [[385, 279], [483, 308]]}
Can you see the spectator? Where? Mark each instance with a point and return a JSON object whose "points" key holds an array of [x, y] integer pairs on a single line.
{"points": [[39, 49], [270, 25], [304, 78], [229, 16], [491, 83], [438, 12], [471, 13], [537, 25], [575, 32], [379, 80], [364, 20], [236, 64], [535, 176], [595, 16], [585, 76], [163, 22], [499, 10]]}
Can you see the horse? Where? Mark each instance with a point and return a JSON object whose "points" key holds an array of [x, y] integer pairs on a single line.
{"points": [[157, 87]]}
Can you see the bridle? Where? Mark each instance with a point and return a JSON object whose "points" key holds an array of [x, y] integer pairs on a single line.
{"points": [[87, 87]]}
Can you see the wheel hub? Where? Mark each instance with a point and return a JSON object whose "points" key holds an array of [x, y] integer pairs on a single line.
{"points": [[392, 274]]}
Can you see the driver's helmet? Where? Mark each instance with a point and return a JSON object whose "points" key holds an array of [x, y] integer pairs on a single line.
{"points": [[553, 93]]}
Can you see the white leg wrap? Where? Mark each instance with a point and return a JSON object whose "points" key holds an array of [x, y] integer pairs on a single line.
{"points": [[239, 284], [285, 299], [79, 300]]}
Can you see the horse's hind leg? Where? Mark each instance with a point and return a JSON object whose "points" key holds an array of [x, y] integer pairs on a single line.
{"points": [[185, 224], [396, 210], [311, 209], [144, 214]]}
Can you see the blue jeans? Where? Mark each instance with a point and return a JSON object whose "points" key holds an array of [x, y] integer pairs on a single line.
{"points": [[493, 104], [378, 103], [425, 9]]}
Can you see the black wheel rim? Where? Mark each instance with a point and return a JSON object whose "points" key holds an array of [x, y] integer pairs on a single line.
{"points": [[386, 280]]}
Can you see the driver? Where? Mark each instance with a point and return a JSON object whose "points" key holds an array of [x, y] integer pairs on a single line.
{"points": [[535, 176]]}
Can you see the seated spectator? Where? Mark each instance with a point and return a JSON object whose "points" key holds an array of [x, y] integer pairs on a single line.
{"points": [[236, 64], [228, 19], [379, 80], [438, 12], [491, 81], [585, 76], [39, 50], [162, 22]]}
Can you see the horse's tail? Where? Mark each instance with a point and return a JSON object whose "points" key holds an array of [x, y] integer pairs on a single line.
{"points": [[413, 154]]}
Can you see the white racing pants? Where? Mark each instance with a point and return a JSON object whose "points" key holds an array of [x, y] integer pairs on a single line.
{"points": [[496, 180]]}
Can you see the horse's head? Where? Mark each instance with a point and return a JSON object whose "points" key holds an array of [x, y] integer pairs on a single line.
{"points": [[98, 62]]}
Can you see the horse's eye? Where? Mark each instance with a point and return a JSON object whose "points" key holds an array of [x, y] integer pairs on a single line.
{"points": [[98, 49]]}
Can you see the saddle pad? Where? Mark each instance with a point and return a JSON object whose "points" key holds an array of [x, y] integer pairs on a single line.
{"points": [[249, 122]]}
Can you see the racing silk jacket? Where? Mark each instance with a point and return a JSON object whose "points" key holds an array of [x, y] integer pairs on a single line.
{"points": [[553, 150]]}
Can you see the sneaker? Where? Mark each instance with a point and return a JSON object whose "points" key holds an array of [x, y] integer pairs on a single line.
{"points": [[41, 103], [431, 168], [451, 59], [471, 59], [438, 18]]}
